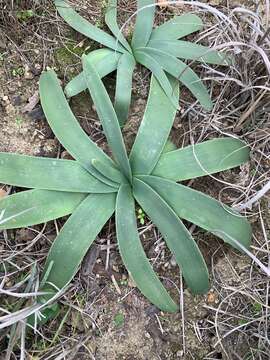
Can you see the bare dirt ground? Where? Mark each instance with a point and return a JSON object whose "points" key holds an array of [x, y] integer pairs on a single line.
{"points": [[99, 319]]}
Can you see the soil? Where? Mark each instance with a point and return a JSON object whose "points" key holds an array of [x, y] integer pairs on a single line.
{"points": [[104, 320]]}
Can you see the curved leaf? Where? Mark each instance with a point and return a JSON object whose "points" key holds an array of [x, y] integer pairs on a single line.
{"points": [[183, 73], [109, 172], [144, 23], [111, 22], [154, 129], [202, 159], [104, 61], [190, 51], [48, 174], [178, 238], [66, 127], [107, 117], [37, 206], [75, 238], [125, 68], [133, 254], [84, 27], [202, 210], [177, 27], [149, 62]]}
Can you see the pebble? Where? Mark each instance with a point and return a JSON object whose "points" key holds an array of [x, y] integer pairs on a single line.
{"points": [[16, 100], [180, 353], [173, 261], [37, 114], [28, 75]]}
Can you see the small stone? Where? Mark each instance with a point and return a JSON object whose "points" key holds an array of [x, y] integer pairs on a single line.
{"points": [[38, 67], [173, 261], [180, 353], [16, 100], [37, 114], [28, 75], [212, 298], [115, 268]]}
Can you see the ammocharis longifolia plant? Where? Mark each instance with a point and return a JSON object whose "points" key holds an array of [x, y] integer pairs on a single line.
{"points": [[94, 186]]}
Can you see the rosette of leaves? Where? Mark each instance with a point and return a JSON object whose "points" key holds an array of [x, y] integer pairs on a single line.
{"points": [[159, 50], [94, 186]]}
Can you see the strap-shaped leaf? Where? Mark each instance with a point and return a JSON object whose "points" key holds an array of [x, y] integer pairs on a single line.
{"points": [[154, 130], [144, 23], [178, 238], [208, 157], [104, 61], [125, 68], [48, 174], [202, 210], [37, 206], [111, 22], [133, 254], [183, 73], [109, 172], [190, 51], [75, 238], [177, 27], [107, 117], [153, 65], [84, 27], [66, 127]]}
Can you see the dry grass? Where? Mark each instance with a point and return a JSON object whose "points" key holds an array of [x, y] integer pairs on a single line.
{"points": [[236, 324]]}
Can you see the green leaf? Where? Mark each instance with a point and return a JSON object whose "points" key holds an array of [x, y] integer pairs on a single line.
{"points": [[107, 117], [183, 73], [133, 254], [189, 51], [37, 206], [202, 210], [149, 62], [111, 22], [202, 159], [48, 174], [177, 27], [125, 68], [154, 129], [84, 27], [177, 237], [144, 23], [66, 127], [109, 172], [104, 61], [75, 238]]}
